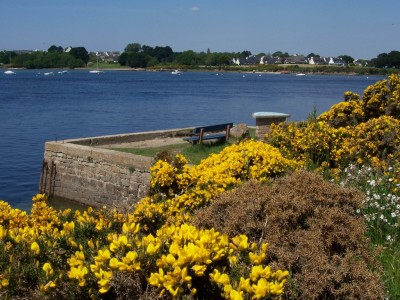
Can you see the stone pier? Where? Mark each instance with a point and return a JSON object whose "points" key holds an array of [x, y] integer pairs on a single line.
{"points": [[88, 172]]}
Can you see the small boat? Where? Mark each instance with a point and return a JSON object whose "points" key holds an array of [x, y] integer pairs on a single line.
{"points": [[48, 73], [62, 72], [176, 72], [9, 72], [300, 74], [96, 71]]}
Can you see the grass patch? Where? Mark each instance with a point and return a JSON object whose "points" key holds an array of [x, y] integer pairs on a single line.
{"points": [[153, 151], [390, 259], [193, 153]]}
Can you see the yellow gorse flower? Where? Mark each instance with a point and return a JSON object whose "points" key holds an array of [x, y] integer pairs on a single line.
{"points": [[4, 282], [47, 286], [35, 248], [48, 269], [78, 273]]}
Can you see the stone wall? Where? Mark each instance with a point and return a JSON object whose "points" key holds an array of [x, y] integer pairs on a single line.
{"points": [[78, 171]]}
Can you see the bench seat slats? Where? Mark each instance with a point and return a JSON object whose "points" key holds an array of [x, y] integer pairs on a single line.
{"points": [[199, 133], [205, 137]]}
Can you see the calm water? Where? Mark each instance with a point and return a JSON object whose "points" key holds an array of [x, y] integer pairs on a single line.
{"points": [[35, 108]]}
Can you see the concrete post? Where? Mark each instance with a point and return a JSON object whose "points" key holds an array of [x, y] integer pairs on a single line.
{"points": [[265, 119]]}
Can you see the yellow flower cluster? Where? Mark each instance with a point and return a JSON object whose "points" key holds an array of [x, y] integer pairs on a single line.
{"points": [[310, 143], [187, 188], [86, 252], [363, 131], [375, 98], [342, 114], [375, 140], [379, 99], [205, 253]]}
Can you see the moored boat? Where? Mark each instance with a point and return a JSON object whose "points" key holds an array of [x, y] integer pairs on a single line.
{"points": [[176, 72]]}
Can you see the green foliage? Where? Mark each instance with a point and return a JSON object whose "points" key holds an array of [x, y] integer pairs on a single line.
{"points": [[138, 56], [80, 53], [347, 59], [41, 60], [7, 56], [387, 60], [54, 48], [187, 58], [135, 60], [390, 259], [280, 54]]}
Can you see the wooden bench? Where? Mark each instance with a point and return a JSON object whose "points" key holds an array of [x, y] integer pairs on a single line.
{"points": [[219, 132]]}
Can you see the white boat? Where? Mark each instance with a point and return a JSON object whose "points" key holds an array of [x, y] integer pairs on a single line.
{"points": [[9, 72], [48, 73], [300, 74], [176, 72], [97, 71]]}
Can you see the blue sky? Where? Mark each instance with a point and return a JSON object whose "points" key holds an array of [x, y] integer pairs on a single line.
{"points": [[359, 28]]}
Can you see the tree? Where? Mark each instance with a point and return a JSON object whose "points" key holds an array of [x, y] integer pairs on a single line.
{"points": [[245, 53], [210, 59], [280, 54], [188, 58], [133, 47], [55, 49], [312, 55], [6, 56], [381, 61], [394, 59], [222, 59], [136, 60], [80, 53], [147, 50], [122, 59], [163, 53], [347, 59], [3, 57]]}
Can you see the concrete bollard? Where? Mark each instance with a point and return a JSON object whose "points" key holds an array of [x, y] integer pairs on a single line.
{"points": [[265, 119]]}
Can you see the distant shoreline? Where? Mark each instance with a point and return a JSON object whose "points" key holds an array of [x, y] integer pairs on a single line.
{"points": [[281, 70]]}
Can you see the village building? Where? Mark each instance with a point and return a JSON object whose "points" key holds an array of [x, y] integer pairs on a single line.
{"points": [[270, 60], [317, 60], [335, 61], [296, 60]]}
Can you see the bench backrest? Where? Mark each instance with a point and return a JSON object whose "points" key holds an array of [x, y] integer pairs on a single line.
{"points": [[212, 128]]}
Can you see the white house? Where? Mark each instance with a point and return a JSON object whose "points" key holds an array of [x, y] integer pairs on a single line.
{"points": [[334, 61]]}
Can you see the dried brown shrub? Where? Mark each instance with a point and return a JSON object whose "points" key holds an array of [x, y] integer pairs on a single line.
{"points": [[128, 286], [312, 229]]}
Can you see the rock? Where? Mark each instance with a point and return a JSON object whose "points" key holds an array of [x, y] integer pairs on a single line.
{"points": [[240, 131]]}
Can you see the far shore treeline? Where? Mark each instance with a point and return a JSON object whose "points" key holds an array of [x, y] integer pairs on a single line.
{"points": [[136, 55]]}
